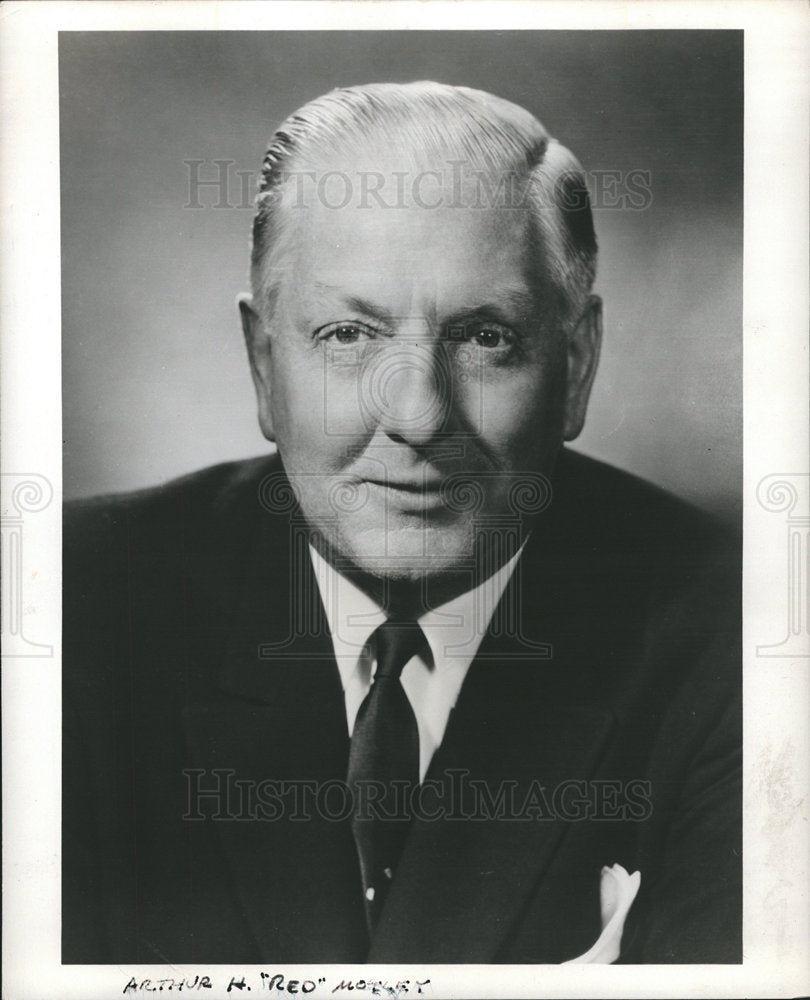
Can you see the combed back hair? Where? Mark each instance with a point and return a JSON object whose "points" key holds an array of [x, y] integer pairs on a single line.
{"points": [[421, 121]]}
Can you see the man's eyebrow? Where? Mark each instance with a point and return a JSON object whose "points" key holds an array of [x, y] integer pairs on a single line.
{"points": [[356, 303], [505, 304]]}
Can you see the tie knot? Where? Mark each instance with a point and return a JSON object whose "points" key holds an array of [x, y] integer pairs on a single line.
{"points": [[397, 641]]}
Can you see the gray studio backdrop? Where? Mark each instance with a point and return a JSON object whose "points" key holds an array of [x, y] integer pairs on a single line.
{"points": [[155, 381]]}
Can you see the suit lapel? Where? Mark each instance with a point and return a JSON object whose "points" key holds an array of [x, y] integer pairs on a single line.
{"points": [[277, 716]]}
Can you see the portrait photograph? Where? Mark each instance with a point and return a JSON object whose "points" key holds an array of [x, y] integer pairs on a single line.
{"points": [[415, 539]]}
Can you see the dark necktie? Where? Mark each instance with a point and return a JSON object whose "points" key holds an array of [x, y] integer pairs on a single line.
{"points": [[384, 763]]}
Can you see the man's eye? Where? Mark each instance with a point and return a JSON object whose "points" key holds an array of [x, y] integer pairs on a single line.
{"points": [[346, 333], [490, 336]]}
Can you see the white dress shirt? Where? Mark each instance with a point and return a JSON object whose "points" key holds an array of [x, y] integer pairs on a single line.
{"points": [[454, 632]]}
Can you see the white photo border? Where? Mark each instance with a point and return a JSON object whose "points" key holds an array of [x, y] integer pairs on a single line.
{"points": [[776, 306]]}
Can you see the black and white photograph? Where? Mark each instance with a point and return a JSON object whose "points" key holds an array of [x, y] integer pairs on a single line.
{"points": [[403, 466]]}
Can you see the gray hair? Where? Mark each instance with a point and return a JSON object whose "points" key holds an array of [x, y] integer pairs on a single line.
{"points": [[495, 134]]}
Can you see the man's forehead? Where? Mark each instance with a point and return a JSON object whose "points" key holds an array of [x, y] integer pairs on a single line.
{"points": [[393, 234], [405, 262], [385, 173], [515, 296], [405, 232]]}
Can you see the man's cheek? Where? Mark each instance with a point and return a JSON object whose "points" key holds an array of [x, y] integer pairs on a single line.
{"points": [[512, 419], [348, 401], [297, 413]]}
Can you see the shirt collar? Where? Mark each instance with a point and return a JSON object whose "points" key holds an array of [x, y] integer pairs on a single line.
{"points": [[453, 630]]}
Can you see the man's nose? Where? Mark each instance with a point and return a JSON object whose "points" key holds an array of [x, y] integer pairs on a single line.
{"points": [[408, 389]]}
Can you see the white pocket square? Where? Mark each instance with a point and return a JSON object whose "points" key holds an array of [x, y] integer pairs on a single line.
{"points": [[617, 892]]}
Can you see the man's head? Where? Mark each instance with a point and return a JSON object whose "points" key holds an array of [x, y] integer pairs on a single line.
{"points": [[421, 332]]}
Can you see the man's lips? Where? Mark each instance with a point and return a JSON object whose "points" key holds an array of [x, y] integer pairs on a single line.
{"points": [[408, 496], [426, 487]]}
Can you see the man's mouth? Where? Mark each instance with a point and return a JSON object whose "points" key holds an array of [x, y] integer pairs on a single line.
{"points": [[408, 494], [409, 486]]}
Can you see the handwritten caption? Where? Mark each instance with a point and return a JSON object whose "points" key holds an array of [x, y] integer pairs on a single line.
{"points": [[278, 983]]}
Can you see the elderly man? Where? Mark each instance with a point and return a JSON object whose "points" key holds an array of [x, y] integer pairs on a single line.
{"points": [[423, 686]]}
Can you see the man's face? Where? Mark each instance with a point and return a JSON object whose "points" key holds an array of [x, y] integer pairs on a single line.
{"points": [[412, 379]]}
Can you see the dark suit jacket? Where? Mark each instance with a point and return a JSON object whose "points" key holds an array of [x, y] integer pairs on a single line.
{"points": [[196, 657]]}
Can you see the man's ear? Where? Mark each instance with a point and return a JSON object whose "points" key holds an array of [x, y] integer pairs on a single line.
{"points": [[257, 341], [584, 343]]}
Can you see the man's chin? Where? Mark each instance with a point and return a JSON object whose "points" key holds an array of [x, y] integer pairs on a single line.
{"points": [[408, 554]]}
